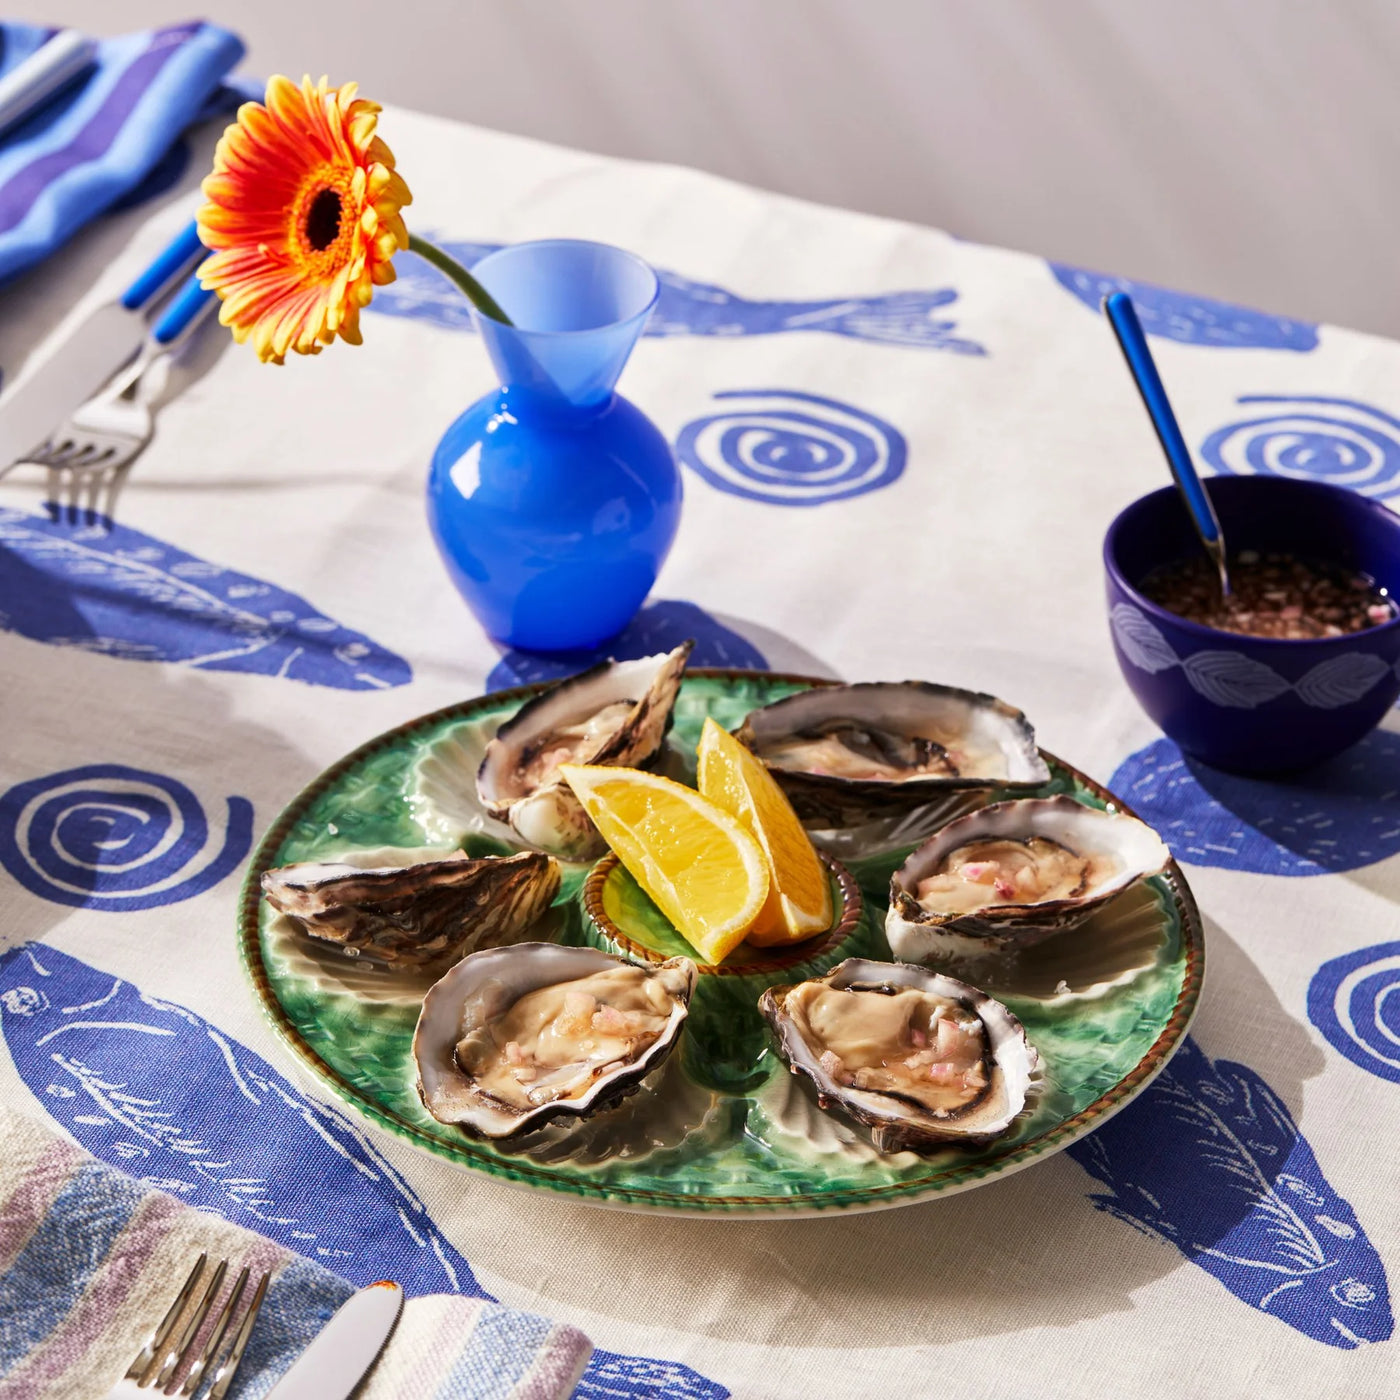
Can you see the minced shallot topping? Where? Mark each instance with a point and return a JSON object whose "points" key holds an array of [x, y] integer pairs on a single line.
{"points": [[1271, 595], [902, 1042]]}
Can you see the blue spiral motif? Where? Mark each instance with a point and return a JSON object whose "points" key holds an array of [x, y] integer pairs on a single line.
{"points": [[110, 837], [1312, 438], [1354, 1001], [792, 449]]}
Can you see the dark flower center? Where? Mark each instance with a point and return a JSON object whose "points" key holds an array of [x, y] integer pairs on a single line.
{"points": [[323, 220]]}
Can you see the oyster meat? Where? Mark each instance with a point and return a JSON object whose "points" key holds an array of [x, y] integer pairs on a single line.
{"points": [[420, 915], [513, 1037], [617, 713], [852, 753], [1013, 873], [920, 1059]]}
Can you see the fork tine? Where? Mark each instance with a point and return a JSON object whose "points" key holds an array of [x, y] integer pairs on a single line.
{"points": [[216, 1337], [223, 1376], [176, 1354], [146, 1356], [52, 486], [113, 479], [93, 479]]}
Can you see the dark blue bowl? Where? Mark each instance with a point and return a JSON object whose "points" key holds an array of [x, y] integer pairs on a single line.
{"points": [[1250, 704]]}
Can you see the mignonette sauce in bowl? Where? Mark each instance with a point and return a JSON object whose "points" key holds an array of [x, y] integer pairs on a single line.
{"points": [[1301, 662]]}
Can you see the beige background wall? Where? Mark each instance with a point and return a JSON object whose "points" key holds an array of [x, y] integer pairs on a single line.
{"points": [[1248, 149]]}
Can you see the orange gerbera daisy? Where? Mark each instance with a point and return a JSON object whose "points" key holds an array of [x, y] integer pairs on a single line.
{"points": [[303, 217]]}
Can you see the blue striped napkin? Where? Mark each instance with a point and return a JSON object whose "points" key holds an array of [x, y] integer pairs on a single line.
{"points": [[112, 134], [90, 1259]]}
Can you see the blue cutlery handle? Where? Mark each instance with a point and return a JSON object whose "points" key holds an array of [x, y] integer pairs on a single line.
{"points": [[188, 303], [1118, 307], [180, 250]]}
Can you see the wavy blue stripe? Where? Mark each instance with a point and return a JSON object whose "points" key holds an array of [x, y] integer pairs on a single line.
{"points": [[54, 1269], [299, 1303], [501, 1348]]}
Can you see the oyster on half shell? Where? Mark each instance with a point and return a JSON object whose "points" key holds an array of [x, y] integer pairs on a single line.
{"points": [[1012, 874], [921, 1059], [513, 1037], [617, 713], [421, 914], [850, 754]]}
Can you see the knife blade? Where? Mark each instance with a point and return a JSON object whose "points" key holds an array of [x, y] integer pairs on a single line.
{"points": [[345, 1348], [90, 354], [42, 76]]}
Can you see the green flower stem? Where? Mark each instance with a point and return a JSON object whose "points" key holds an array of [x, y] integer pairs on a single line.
{"points": [[471, 288]]}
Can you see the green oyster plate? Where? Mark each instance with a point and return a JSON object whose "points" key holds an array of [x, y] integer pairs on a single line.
{"points": [[723, 1128]]}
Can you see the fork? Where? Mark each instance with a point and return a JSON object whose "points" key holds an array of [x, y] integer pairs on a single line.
{"points": [[165, 1352], [89, 455]]}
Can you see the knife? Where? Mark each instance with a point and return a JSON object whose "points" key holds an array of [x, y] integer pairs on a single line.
{"points": [[90, 354], [43, 76], [345, 1348]]}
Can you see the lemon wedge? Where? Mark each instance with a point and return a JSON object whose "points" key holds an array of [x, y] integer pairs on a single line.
{"points": [[704, 872], [799, 893]]}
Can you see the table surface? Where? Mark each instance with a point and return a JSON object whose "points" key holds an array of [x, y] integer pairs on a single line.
{"points": [[1228, 1230]]}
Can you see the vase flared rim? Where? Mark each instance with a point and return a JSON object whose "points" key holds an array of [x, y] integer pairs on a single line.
{"points": [[539, 244]]}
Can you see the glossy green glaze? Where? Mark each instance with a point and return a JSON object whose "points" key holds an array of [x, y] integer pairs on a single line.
{"points": [[729, 1130]]}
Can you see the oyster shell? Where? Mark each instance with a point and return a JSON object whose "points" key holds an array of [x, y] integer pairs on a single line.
{"points": [[513, 1037], [617, 712], [920, 1059], [1013, 873], [423, 914], [850, 754]]}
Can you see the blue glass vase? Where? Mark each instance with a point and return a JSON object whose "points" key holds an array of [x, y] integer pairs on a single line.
{"points": [[553, 499]]}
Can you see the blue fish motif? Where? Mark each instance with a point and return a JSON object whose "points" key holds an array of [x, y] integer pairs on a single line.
{"points": [[1209, 1160], [1341, 815], [685, 307], [109, 588], [155, 1090], [152, 1088], [660, 626], [613, 1377], [1191, 320]]}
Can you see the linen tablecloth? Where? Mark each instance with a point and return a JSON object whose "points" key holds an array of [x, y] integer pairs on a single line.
{"points": [[900, 452]]}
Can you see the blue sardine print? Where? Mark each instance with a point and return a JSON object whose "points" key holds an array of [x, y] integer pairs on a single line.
{"points": [[1210, 1161], [109, 588], [914, 319], [613, 1377], [1341, 815], [152, 1088], [1191, 320], [659, 627]]}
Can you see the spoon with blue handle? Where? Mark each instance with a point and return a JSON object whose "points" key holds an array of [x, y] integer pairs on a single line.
{"points": [[1118, 307]]}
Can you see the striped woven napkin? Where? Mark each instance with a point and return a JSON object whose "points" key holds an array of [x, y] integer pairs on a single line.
{"points": [[110, 137], [90, 1259]]}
